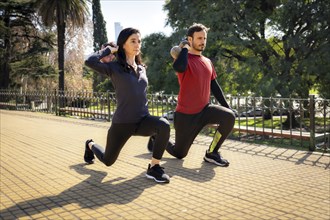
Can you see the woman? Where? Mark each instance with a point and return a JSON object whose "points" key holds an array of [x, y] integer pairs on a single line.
{"points": [[131, 118]]}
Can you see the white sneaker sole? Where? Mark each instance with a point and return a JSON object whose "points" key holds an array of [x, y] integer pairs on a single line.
{"points": [[156, 180]]}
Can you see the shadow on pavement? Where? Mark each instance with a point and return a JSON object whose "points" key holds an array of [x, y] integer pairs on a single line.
{"points": [[298, 157], [90, 193], [174, 167]]}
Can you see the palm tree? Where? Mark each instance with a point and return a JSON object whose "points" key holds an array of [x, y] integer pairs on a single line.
{"points": [[60, 12]]}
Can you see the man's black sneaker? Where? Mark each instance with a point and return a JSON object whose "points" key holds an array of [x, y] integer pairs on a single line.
{"points": [[89, 155], [216, 158], [151, 143], [157, 173]]}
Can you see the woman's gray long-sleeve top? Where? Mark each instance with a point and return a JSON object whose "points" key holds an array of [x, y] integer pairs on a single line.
{"points": [[130, 87]]}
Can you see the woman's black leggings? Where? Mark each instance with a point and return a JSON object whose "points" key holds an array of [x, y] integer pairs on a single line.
{"points": [[187, 127], [118, 135]]}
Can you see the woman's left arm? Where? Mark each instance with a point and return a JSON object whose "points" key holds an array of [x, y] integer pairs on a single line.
{"points": [[93, 61]]}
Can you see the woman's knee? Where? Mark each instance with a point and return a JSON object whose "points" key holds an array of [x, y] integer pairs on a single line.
{"points": [[108, 163], [180, 155]]}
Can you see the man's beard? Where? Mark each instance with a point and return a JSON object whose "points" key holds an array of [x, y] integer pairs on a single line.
{"points": [[198, 48]]}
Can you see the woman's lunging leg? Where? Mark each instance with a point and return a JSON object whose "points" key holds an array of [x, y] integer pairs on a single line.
{"points": [[117, 136]]}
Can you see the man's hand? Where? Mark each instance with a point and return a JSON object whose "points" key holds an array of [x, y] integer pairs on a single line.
{"points": [[184, 44], [175, 51]]}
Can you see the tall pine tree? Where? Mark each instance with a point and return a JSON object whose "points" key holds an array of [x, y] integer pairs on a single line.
{"points": [[100, 37]]}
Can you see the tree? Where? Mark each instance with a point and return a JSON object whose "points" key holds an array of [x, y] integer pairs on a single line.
{"points": [[100, 37], [272, 47], [62, 12], [158, 60], [99, 26], [22, 44], [77, 40]]}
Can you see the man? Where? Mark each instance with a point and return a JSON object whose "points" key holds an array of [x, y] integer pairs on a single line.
{"points": [[197, 78]]}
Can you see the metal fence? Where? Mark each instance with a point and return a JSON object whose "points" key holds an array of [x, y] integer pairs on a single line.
{"points": [[291, 121]]}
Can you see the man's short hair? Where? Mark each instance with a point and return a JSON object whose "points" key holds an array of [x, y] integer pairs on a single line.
{"points": [[196, 27]]}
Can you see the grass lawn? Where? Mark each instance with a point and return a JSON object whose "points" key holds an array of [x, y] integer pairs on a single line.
{"points": [[276, 122]]}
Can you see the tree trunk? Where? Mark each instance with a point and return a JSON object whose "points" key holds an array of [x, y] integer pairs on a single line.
{"points": [[60, 23], [5, 60], [61, 48]]}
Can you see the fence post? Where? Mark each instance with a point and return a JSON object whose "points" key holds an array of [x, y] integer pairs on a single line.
{"points": [[56, 102], [49, 101], [312, 122], [16, 99], [108, 103]]}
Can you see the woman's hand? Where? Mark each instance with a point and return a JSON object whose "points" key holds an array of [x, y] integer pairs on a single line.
{"points": [[112, 46]]}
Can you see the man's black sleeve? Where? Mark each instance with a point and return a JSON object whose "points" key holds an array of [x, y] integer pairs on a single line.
{"points": [[181, 63], [218, 93]]}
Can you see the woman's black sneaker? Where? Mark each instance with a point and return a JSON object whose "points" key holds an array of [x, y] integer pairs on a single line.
{"points": [[157, 173], [89, 155]]}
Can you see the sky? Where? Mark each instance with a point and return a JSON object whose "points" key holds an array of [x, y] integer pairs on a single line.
{"points": [[146, 15]]}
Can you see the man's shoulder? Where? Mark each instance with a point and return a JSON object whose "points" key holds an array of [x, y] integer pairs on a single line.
{"points": [[205, 58], [202, 57]]}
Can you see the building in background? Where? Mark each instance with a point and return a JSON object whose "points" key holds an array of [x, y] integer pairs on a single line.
{"points": [[118, 29]]}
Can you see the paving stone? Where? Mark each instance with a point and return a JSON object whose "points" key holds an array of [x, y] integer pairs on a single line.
{"points": [[43, 176]]}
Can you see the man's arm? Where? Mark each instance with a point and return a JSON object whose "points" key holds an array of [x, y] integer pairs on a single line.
{"points": [[181, 63], [218, 93]]}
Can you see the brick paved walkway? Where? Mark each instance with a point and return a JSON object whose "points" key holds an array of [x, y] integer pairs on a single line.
{"points": [[43, 177]]}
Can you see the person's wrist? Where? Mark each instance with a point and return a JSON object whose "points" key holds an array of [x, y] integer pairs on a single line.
{"points": [[107, 51]]}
